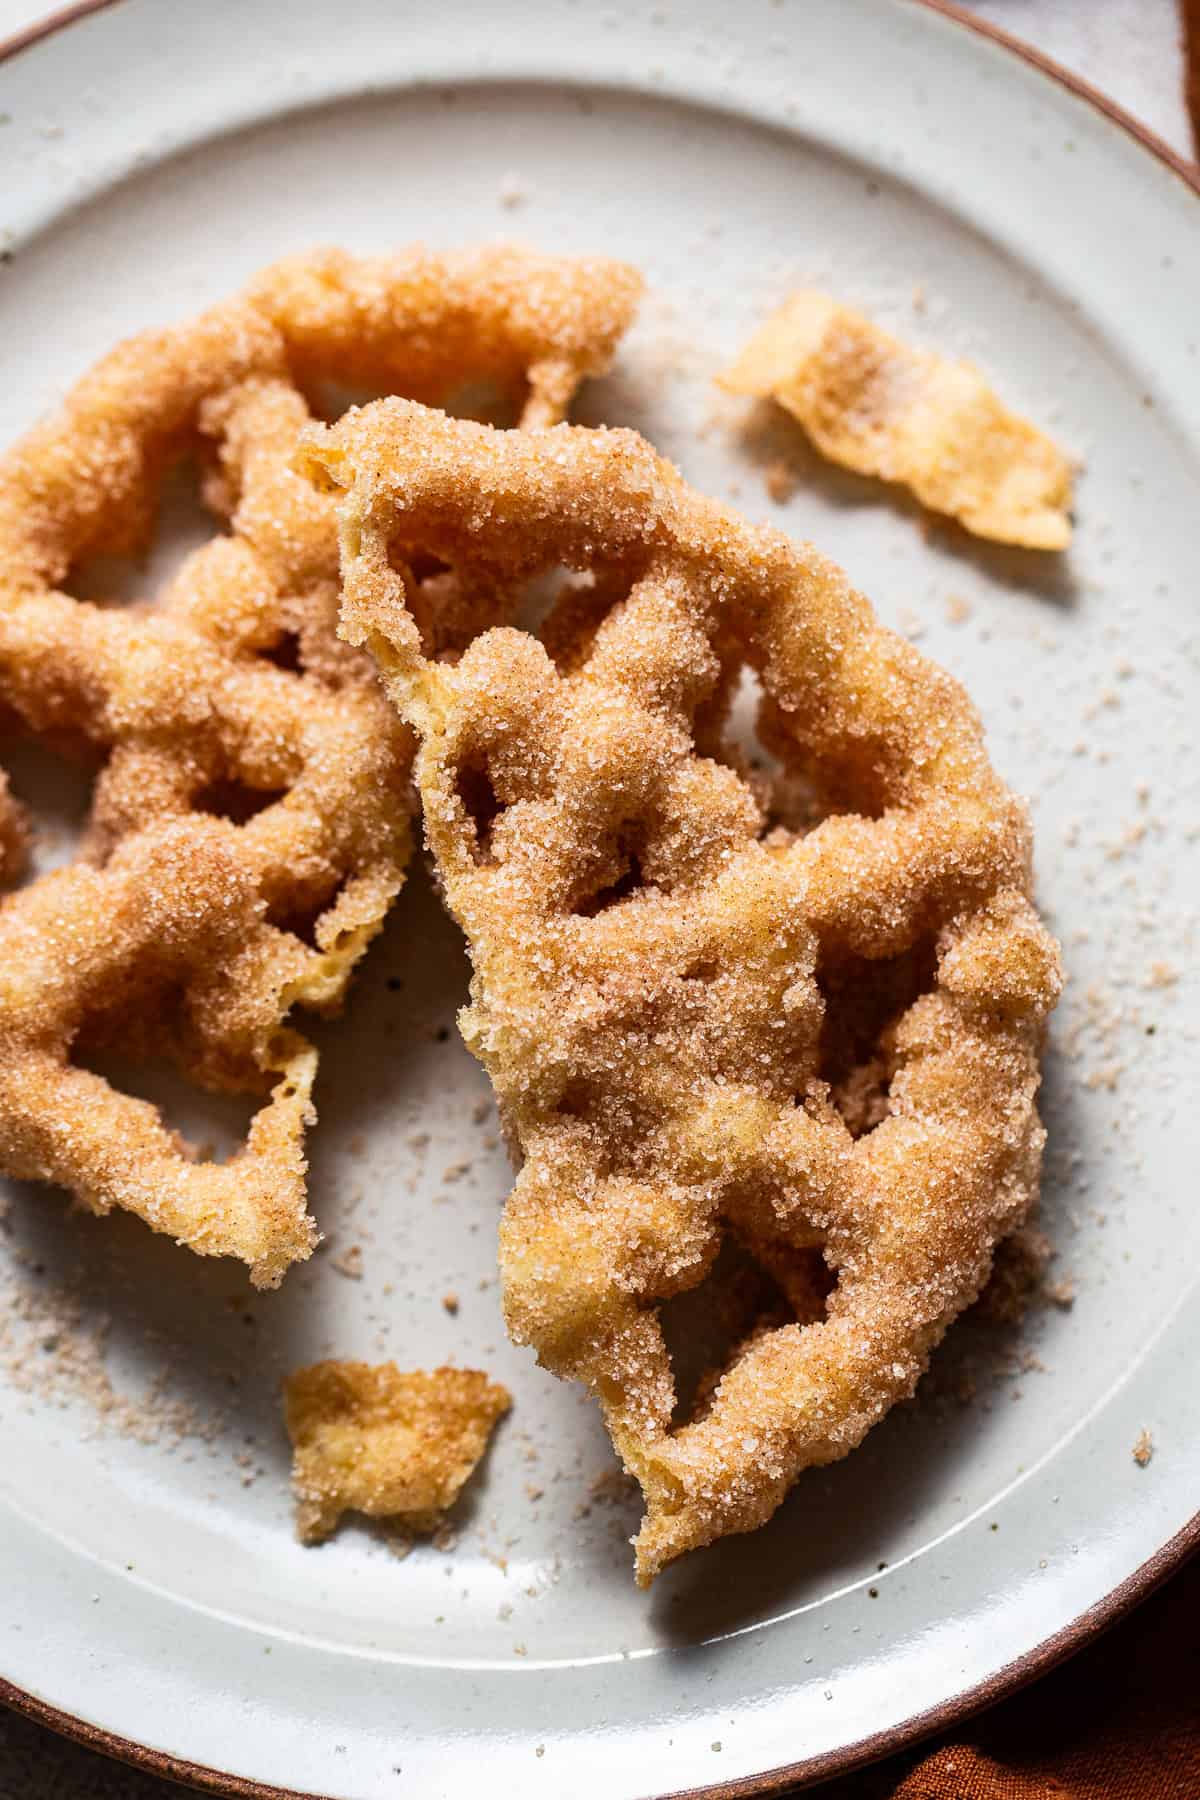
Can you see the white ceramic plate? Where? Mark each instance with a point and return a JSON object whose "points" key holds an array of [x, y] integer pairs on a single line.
{"points": [[153, 156]]}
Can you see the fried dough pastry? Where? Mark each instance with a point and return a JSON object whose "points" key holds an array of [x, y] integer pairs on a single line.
{"points": [[875, 405], [250, 823], [821, 1044], [397, 1445]]}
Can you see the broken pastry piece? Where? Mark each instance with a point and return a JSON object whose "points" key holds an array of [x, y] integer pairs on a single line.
{"points": [[394, 1444], [879, 407]]}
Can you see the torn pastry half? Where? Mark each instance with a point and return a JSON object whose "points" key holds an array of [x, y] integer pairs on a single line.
{"points": [[712, 1036], [934, 425]]}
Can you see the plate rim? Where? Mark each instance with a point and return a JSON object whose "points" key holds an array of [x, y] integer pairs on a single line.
{"points": [[1115, 1606]]}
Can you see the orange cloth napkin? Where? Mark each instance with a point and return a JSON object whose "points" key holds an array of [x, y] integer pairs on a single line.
{"points": [[1120, 1721]]}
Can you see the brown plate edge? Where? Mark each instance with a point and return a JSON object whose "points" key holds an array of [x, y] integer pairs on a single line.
{"points": [[125, 1750], [55, 21], [1116, 1605], [1187, 171]]}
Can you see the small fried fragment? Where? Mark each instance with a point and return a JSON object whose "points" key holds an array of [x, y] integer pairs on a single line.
{"points": [[1143, 1449], [876, 405], [250, 824], [394, 1444], [817, 1046]]}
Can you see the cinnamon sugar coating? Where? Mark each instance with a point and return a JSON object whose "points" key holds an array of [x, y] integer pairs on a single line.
{"points": [[821, 1045], [394, 1444], [250, 822]]}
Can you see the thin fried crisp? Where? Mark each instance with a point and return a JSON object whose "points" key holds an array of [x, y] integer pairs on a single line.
{"points": [[250, 824], [876, 405], [821, 1044], [395, 1444]]}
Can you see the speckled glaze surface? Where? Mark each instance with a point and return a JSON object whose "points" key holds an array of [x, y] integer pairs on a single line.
{"points": [[154, 1588]]}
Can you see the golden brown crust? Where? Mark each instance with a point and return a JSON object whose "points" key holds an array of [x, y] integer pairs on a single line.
{"points": [[250, 825], [14, 834], [876, 405], [666, 990], [394, 1444]]}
